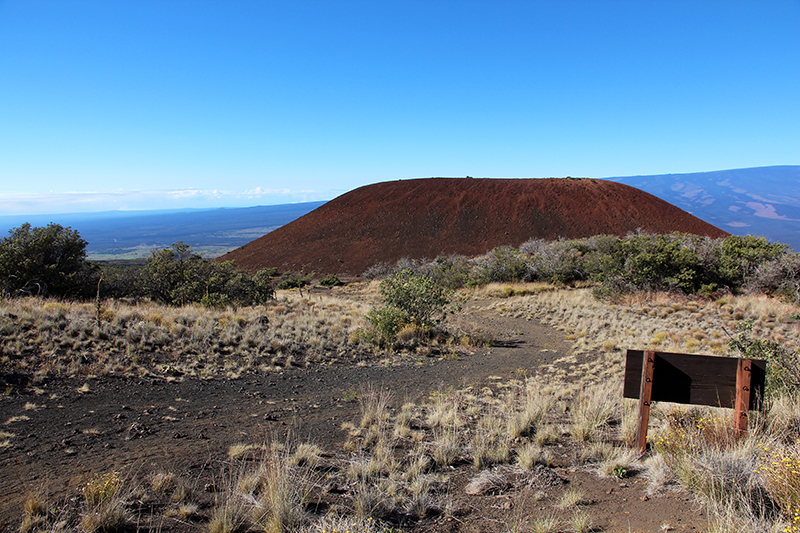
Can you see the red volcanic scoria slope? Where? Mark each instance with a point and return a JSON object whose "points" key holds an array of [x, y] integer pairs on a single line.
{"points": [[425, 218]]}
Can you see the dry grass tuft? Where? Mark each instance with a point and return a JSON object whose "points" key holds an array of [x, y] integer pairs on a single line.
{"points": [[594, 410], [145, 338], [486, 482], [545, 524], [105, 506], [570, 499], [581, 522], [34, 512], [238, 450]]}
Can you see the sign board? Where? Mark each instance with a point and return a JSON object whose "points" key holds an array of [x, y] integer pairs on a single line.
{"points": [[693, 379]]}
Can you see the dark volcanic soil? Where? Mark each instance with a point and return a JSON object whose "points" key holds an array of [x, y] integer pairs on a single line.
{"points": [[426, 218], [147, 425]]}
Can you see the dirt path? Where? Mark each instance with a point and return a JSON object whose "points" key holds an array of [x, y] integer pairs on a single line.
{"points": [[64, 432]]}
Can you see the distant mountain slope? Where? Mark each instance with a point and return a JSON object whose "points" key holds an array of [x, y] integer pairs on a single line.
{"points": [[757, 201], [132, 234], [424, 218]]}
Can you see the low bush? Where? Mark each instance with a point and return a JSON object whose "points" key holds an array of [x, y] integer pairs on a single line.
{"points": [[294, 280], [387, 321], [639, 262], [503, 264], [330, 281], [783, 366], [409, 300], [178, 276], [422, 302]]}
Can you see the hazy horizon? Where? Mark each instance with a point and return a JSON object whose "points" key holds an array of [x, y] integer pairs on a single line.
{"points": [[243, 205]]}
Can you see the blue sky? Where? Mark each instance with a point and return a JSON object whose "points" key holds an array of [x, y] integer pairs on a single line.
{"points": [[157, 104]]}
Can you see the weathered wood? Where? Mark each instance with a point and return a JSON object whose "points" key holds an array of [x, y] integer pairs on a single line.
{"points": [[645, 395], [744, 376], [694, 379]]}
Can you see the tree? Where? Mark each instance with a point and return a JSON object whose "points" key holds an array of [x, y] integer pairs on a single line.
{"points": [[174, 275], [262, 284], [178, 276], [48, 260]]}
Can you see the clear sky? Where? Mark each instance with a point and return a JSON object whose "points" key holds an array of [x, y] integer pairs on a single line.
{"points": [[119, 104]]}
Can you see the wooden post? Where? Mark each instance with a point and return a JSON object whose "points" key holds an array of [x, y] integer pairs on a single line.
{"points": [[743, 387], [645, 394]]}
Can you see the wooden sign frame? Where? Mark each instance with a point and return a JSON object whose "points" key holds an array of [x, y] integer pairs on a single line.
{"points": [[652, 376]]}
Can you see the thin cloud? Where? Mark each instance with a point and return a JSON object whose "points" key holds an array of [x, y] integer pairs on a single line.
{"points": [[22, 203]]}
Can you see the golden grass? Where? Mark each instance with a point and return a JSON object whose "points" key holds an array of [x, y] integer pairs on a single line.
{"points": [[238, 450], [144, 338], [570, 498], [400, 462], [34, 512], [647, 321], [105, 504]]}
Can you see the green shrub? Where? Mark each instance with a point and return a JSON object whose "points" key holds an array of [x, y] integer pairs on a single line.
{"points": [[122, 279], [409, 300], [503, 264], [451, 271], [741, 256], [173, 275], [262, 284], [422, 302], [293, 280], [659, 262], [681, 262], [330, 281], [178, 276], [43, 261], [783, 366], [387, 321], [560, 262]]}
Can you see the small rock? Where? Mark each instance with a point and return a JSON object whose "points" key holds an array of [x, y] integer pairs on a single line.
{"points": [[136, 431]]}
